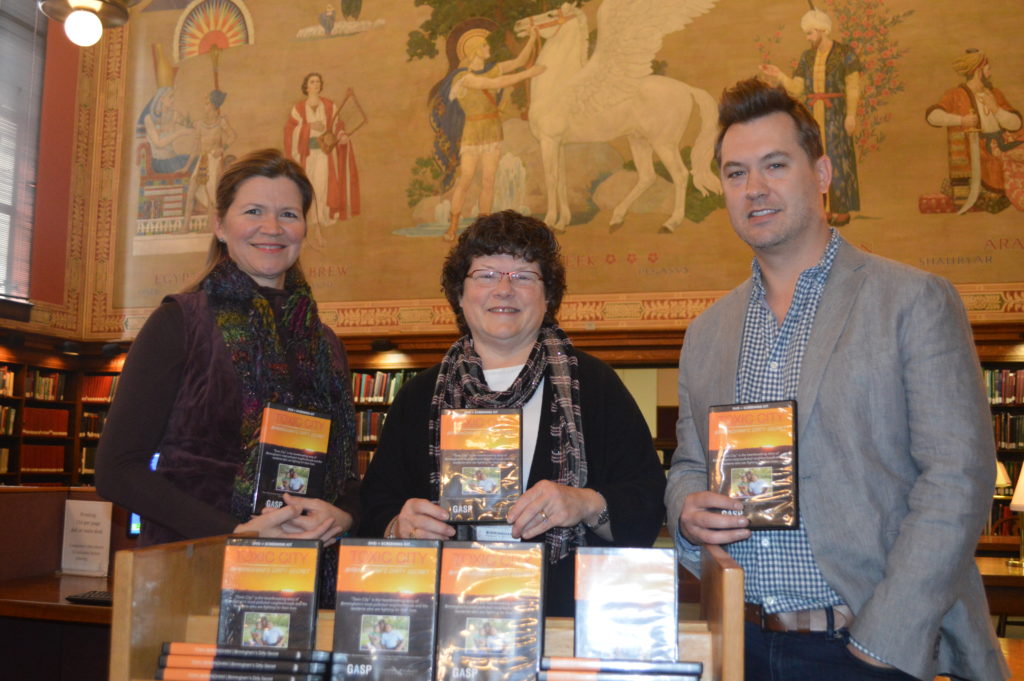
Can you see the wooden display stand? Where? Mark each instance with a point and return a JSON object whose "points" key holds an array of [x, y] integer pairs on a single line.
{"points": [[171, 593]]}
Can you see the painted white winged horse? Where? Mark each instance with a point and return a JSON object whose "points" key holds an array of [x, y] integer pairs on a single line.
{"points": [[615, 93]]}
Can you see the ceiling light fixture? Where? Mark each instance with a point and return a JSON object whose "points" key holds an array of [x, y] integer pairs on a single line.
{"points": [[84, 20]]}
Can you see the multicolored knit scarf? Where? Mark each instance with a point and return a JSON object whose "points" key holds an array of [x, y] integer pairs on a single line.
{"points": [[460, 384], [289, 361]]}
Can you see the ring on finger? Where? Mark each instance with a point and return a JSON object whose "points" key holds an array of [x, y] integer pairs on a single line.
{"points": [[543, 515]]}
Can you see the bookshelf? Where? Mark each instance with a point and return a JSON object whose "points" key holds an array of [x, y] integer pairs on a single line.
{"points": [[96, 394], [52, 409], [373, 392], [46, 441], [1004, 382]]}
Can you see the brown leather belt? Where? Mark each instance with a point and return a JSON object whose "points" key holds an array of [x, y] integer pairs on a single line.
{"points": [[799, 621]]}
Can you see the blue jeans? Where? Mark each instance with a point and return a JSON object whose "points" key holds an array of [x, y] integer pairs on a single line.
{"points": [[784, 656]]}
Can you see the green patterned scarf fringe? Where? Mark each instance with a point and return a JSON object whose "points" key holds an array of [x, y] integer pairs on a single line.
{"points": [[260, 350]]}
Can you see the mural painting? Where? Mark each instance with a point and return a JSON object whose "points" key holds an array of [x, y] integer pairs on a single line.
{"points": [[598, 116]]}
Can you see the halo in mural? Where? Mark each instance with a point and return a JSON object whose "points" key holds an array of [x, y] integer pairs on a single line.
{"points": [[205, 24]]}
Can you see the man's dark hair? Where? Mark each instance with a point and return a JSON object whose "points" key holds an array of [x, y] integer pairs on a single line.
{"points": [[751, 99], [505, 233]]}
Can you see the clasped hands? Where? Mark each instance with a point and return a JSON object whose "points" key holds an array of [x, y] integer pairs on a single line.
{"points": [[300, 518], [546, 505]]}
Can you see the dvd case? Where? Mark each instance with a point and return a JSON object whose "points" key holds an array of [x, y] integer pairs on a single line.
{"points": [[595, 665], [626, 603], [386, 609], [243, 652], [481, 463], [490, 618], [292, 454], [752, 456], [268, 593]]}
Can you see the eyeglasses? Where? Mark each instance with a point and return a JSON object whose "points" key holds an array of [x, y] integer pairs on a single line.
{"points": [[490, 278]]}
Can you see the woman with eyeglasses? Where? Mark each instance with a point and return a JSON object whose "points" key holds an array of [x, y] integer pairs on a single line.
{"points": [[592, 475]]}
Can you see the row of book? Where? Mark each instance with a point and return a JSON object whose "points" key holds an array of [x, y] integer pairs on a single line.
{"points": [[8, 417], [47, 422], [408, 609], [42, 458], [49, 461], [92, 423], [1005, 386], [1001, 521], [1009, 430], [51, 385], [99, 387], [45, 385], [363, 460], [378, 387], [88, 459], [7, 375], [368, 425]]}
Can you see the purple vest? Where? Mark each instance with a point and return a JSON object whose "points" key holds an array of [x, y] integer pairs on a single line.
{"points": [[200, 451]]}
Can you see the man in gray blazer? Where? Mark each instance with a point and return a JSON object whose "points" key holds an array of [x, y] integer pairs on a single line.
{"points": [[896, 460]]}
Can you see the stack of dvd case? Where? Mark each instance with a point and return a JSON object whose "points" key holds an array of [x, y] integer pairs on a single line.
{"points": [[180, 661]]}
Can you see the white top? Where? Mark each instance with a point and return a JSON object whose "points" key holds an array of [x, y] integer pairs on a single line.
{"points": [[499, 380]]}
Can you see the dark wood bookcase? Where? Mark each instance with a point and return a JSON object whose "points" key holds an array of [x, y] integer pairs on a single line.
{"points": [[45, 400], [1005, 384]]}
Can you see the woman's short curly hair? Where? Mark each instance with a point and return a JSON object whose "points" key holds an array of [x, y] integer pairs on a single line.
{"points": [[505, 233]]}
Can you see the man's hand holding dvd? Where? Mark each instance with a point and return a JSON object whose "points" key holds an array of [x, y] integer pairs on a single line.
{"points": [[752, 456]]}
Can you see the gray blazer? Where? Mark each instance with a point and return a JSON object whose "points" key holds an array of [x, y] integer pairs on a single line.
{"points": [[896, 457]]}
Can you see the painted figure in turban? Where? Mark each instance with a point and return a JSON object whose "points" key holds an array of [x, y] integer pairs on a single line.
{"points": [[828, 80], [984, 136]]}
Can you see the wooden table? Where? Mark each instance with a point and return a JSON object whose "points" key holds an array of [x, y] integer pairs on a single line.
{"points": [[1004, 585], [990, 545], [45, 638], [42, 598]]}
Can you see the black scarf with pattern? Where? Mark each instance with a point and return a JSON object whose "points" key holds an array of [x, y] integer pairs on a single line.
{"points": [[461, 385]]}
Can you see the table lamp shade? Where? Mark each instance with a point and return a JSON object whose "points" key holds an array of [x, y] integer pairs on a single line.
{"points": [[1002, 477], [1017, 503]]}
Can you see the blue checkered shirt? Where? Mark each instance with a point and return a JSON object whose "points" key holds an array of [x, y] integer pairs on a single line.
{"points": [[781, 573]]}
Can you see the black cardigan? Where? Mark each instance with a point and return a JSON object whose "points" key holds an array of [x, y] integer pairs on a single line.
{"points": [[621, 463]]}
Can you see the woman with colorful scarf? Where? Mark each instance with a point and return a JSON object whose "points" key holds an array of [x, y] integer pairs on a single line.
{"points": [[208, 360], [592, 475]]}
